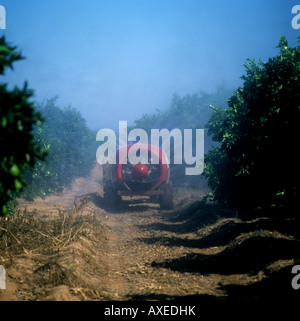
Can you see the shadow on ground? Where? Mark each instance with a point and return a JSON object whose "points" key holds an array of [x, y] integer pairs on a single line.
{"points": [[190, 219], [244, 248], [273, 293], [125, 206], [221, 233], [242, 256]]}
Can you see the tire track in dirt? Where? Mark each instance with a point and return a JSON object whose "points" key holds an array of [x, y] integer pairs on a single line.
{"points": [[116, 286]]}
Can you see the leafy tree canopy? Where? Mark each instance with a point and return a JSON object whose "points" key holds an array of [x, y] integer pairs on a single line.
{"points": [[70, 145], [257, 161], [18, 151]]}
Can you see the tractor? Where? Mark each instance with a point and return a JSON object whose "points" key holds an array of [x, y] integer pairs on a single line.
{"points": [[138, 177]]}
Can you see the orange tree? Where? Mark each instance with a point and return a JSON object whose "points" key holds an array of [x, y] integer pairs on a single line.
{"points": [[71, 148], [257, 161], [18, 151]]}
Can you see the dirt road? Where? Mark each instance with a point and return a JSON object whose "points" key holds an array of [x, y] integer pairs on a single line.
{"points": [[144, 253]]}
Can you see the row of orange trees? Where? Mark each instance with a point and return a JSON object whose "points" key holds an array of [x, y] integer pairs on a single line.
{"points": [[43, 147], [251, 134], [257, 161]]}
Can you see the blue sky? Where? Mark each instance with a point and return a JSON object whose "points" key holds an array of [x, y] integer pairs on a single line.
{"points": [[115, 60]]}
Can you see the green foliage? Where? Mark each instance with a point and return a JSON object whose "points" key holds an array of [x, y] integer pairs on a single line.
{"points": [[69, 144], [8, 55], [17, 117], [189, 111], [257, 161]]}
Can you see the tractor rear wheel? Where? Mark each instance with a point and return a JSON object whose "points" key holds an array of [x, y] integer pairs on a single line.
{"points": [[110, 191]]}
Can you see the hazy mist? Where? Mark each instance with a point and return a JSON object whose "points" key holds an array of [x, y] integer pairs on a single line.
{"points": [[115, 60]]}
